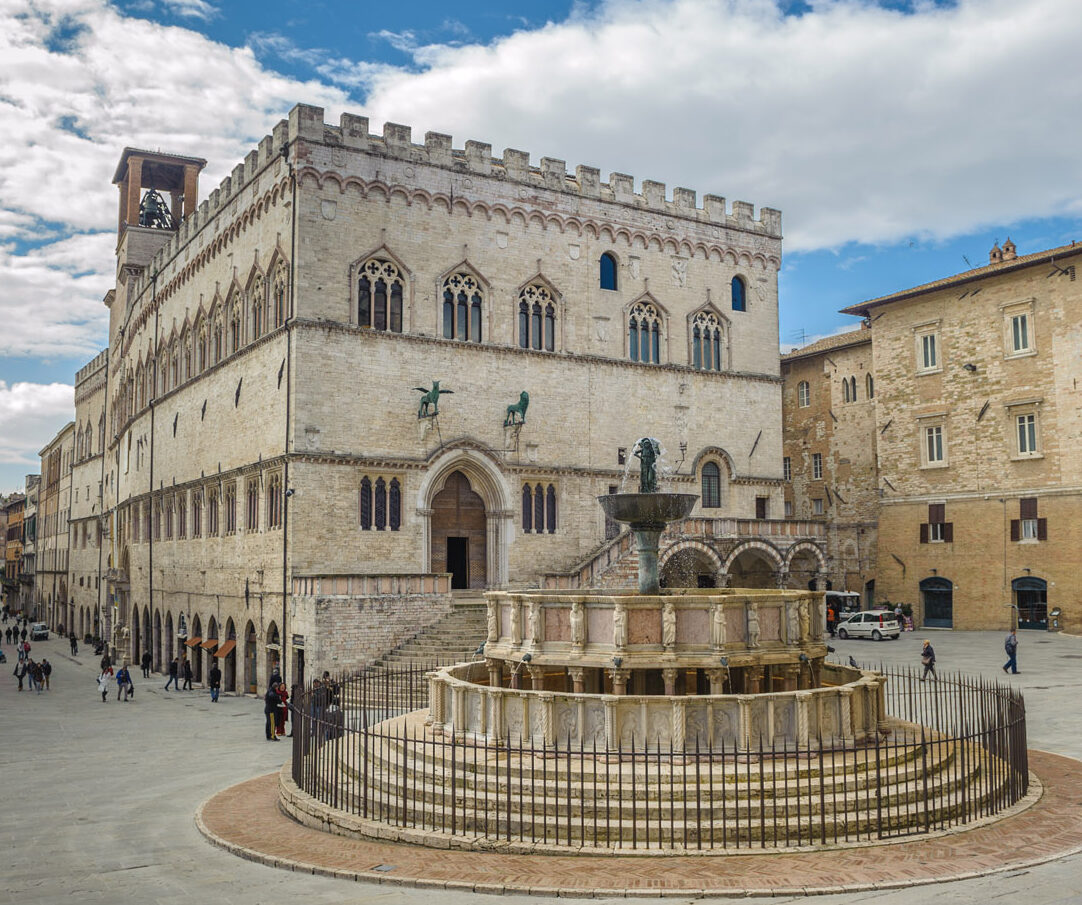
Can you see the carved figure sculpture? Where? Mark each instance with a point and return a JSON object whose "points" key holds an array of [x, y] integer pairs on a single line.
{"points": [[533, 624], [516, 623], [578, 625], [753, 625], [668, 625], [648, 450], [717, 627], [792, 622], [430, 400], [493, 621], [619, 626], [519, 409], [805, 621]]}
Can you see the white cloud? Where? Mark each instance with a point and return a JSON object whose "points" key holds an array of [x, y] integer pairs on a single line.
{"points": [[860, 123], [30, 416], [192, 9], [78, 82]]}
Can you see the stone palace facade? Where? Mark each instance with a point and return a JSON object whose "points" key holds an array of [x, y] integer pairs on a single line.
{"points": [[281, 484]]}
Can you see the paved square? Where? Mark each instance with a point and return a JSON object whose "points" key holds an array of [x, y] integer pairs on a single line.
{"points": [[100, 798]]}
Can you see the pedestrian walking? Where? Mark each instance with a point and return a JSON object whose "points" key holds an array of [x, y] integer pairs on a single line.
{"points": [[103, 685], [46, 671], [270, 709], [23, 636], [215, 678], [927, 659], [174, 672], [832, 620], [37, 676], [283, 709], [147, 659], [106, 663], [124, 684], [20, 672], [74, 644], [187, 672], [1010, 644]]}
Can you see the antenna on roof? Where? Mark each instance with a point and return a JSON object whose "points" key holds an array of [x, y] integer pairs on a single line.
{"points": [[964, 258]]}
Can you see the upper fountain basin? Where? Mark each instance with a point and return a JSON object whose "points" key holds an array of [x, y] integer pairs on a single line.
{"points": [[648, 508]]}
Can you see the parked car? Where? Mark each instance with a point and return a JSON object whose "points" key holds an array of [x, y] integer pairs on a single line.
{"points": [[39, 631], [874, 624]]}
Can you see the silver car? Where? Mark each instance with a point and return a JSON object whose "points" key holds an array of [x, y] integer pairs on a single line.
{"points": [[874, 624]]}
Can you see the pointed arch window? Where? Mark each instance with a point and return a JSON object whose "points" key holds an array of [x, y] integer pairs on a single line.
{"points": [[380, 504], [279, 293], [463, 301], [739, 294], [869, 386], [607, 272], [538, 509], [217, 341], [380, 289], [644, 333], [845, 389], [187, 356], [366, 503], [201, 350], [394, 505], [234, 327], [706, 341], [537, 318], [258, 303]]}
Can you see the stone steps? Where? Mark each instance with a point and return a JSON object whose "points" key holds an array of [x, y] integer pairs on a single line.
{"points": [[453, 639]]}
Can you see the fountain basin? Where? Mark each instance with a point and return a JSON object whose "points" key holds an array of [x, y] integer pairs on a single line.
{"points": [[648, 509]]}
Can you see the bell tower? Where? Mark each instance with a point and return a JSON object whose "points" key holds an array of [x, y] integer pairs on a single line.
{"points": [[143, 175]]}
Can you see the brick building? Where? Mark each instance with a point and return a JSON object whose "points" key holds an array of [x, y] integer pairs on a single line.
{"points": [[28, 568], [828, 409], [978, 420], [12, 512], [274, 495]]}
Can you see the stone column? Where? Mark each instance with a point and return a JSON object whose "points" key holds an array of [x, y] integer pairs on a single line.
{"points": [[754, 677], [679, 724], [717, 680], [791, 676], [803, 701], [845, 706], [578, 679], [619, 680], [669, 675], [495, 673], [744, 703], [537, 677]]}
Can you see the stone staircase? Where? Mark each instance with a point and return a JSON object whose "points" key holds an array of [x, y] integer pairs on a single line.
{"points": [[495, 796], [453, 639]]}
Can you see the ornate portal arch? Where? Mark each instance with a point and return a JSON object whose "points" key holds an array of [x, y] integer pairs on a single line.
{"points": [[486, 481]]}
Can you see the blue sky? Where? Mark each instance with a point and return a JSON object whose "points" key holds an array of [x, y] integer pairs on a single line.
{"points": [[899, 139]]}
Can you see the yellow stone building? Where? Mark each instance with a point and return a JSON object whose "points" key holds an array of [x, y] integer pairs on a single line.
{"points": [[977, 425]]}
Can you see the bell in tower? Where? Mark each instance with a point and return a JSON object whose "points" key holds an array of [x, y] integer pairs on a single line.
{"points": [[153, 214]]}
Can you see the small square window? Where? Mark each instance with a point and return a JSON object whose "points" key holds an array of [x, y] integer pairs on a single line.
{"points": [[1027, 434], [788, 508], [929, 355], [817, 507]]}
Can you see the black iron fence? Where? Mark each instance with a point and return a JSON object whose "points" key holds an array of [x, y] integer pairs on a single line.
{"points": [[950, 751]]}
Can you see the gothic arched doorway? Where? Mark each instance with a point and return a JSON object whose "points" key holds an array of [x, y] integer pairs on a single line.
{"points": [[459, 533]]}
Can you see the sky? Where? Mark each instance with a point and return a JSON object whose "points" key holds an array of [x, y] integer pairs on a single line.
{"points": [[900, 139]]}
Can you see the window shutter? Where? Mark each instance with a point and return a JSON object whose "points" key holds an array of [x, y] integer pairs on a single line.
{"points": [[1028, 507], [1042, 529], [936, 513], [948, 532], [1016, 529], [924, 533]]}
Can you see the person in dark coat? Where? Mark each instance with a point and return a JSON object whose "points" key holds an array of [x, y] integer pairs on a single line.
{"points": [[147, 660], [927, 659], [270, 709], [74, 644], [174, 673], [215, 678], [46, 671], [187, 670], [20, 672]]}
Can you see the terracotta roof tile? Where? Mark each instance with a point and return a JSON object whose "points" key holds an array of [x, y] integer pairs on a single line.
{"points": [[838, 341]]}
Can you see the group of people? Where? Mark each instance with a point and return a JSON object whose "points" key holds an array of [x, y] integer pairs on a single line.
{"points": [[28, 668], [1010, 644], [177, 669], [12, 634]]}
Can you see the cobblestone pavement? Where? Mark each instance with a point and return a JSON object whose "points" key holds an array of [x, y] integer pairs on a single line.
{"points": [[100, 799]]}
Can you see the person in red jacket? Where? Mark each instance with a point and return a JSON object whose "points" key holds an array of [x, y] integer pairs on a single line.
{"points": [[283, 709]]}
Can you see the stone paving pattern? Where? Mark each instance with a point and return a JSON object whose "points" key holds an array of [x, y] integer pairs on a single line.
{"points": [[98, 800]]}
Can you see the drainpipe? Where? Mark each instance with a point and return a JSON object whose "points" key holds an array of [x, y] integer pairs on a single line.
{"points": [[286, 664]]}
